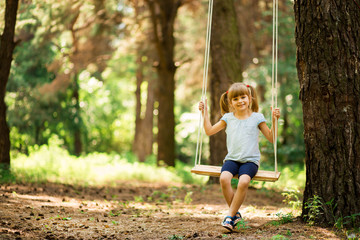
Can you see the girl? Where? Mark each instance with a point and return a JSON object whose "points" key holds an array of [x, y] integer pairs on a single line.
{"points": [[242, 121]]}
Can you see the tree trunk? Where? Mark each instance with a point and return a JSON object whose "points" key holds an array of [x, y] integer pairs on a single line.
{"points": [[163, 14], [77, 117], [143, 139], [148, 121], [138, 126], [226, 68], [144, 122], [7, 46], [328, 62]]}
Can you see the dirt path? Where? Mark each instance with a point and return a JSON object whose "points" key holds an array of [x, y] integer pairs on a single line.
{"points": [[140, 211]]}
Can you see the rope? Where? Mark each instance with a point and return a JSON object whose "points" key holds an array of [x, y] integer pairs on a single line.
{"points": [[273, 78], [205, 80], [274, 74]]}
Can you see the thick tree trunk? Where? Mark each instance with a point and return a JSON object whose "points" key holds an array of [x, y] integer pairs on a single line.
{"points": [[225, 68], [7, 46], [166, 118], [328, 62], [163, 14]]}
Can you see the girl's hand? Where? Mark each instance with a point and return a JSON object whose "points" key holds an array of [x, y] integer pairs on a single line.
{"points": [[203, 107], [276, 113]]}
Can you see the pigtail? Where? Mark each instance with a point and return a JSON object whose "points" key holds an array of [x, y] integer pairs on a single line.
{"points": [[254, 102], [224, 103]]}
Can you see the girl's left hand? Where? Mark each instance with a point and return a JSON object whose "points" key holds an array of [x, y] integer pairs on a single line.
{"points": [[276, 113]]}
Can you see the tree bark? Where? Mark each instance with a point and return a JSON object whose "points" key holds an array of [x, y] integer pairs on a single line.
{"points": [[163, 14], [138, 121], [78, 146], [143, 140], [226, 68], [328, 62], [7, 46], [144, 122]]}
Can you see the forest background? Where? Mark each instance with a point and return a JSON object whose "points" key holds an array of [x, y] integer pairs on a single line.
{"points": [[84, 84], [105, 93]]}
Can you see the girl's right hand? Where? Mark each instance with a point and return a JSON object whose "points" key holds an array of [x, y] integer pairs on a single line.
{"points": [[203, 106]]}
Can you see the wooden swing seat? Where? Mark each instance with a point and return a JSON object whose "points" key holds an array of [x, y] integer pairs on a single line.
{"points": [[214, 171]]}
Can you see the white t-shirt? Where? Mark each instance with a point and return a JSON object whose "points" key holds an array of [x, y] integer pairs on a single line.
{"points": [[242, 137]]}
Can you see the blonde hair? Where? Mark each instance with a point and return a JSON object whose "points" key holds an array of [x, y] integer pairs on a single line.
{"points": [[235, 90]]}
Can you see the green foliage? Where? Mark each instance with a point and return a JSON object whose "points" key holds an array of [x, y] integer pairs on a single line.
{"points": [[107, 112], [106, 90], [339, 221], [283, 218], [186, 138], [292, 199], [350, 221], [279, 237], [188, 199], [292, 175], [175, 237], [62, 218], [138, 199], [114, 222], [291, 147], [53, 163], [353, 220], [6, 176], [30, 125], [46, 56], [314, 209], [332, 206], [353, 235], [171, 194], [242, 225]]}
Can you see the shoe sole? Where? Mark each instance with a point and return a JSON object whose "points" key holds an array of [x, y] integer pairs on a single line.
{"points": [[228, 227]]}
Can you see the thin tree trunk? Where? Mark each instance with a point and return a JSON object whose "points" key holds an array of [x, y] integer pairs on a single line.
{"points": [[148, 121], [163, 14], [77, 118], [7, 46], [143, 140], [76, 87], [328, 62], [137, 138], [225, 68]]}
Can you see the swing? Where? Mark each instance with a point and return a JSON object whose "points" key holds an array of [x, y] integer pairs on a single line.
{"points": [[214, 171]]}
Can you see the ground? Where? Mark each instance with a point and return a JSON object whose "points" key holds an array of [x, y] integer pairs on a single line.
{"points": [[137, 210]]}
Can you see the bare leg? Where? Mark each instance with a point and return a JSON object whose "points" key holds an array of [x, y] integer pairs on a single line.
{"points": [[240, 194], [225, 181]]}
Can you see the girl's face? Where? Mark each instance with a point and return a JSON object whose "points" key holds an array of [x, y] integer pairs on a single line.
{"points": [[240, 103]]}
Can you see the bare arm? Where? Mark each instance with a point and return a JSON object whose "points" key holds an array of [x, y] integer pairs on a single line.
{"points": [[270, 133], [209, 128]]}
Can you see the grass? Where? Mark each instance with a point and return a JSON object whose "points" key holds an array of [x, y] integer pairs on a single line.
{"points": [[292, 176], [51, 163]]}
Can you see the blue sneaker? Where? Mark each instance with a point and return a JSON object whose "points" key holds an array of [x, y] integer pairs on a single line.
{"points": [[228, 223], [237, 218]]}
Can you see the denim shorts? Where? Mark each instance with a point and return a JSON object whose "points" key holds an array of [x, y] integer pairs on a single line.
{"points": [[237, 168]]}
